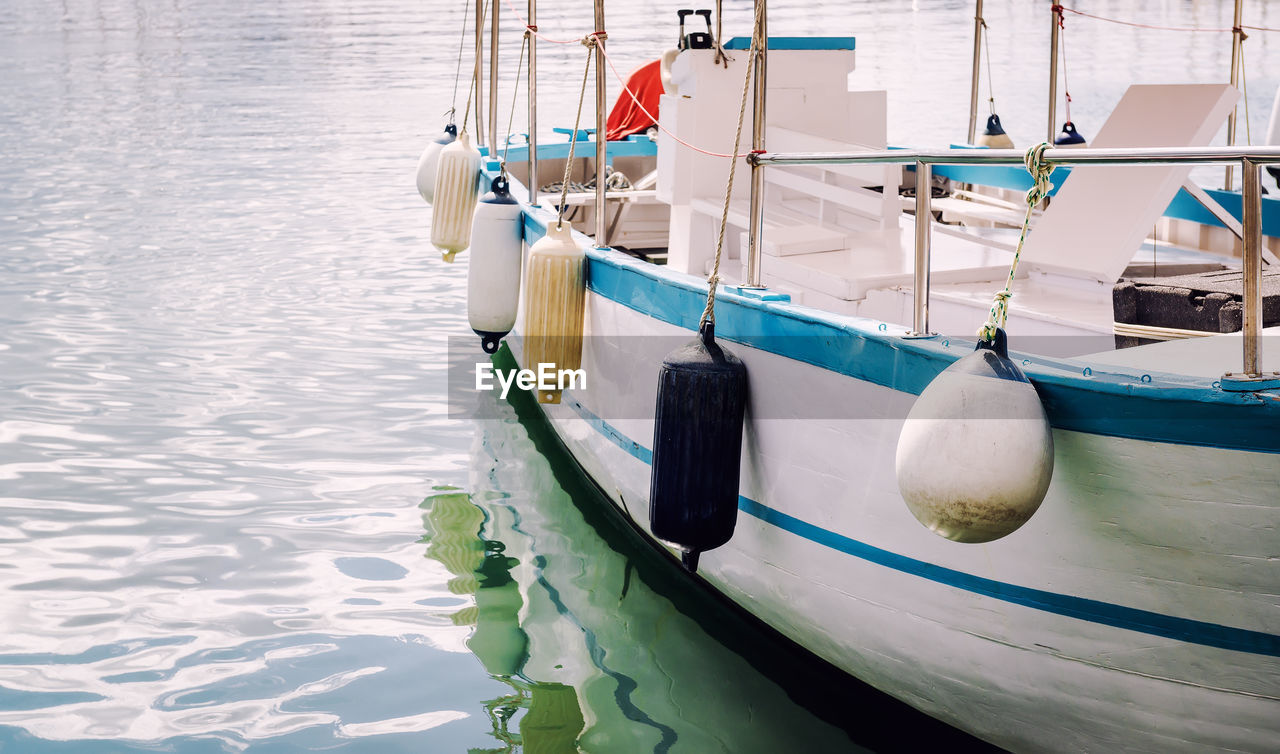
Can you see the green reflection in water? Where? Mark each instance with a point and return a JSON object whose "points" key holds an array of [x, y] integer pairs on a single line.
{"points": [[605, 644], [552, 719]]}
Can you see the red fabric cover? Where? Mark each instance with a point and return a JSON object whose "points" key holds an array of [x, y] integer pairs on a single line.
{"points": [[626, 118]]}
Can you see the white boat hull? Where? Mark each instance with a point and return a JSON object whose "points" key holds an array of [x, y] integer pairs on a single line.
{"points": [[1137, 610]]}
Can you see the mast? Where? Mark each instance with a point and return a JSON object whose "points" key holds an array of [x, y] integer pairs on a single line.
{"points": [[755, 222], [533, 103], [1053, 71], [479, 71], [1237, 39], [493, 82], [973, 82], [601, 241]]}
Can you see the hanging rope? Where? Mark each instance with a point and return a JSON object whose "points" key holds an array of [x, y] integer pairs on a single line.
{"points": [[1040, 170], [466, 111], [618, 75], [713, 281], [655, 120], [515, 89], [475, 79], [457, 73], [1154, 26], [534, 29], [1062, 45], [991, 83], [1244, 86], [590, 42]]}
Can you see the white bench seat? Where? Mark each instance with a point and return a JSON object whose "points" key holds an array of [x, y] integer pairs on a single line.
{"points": [[883, 259]]}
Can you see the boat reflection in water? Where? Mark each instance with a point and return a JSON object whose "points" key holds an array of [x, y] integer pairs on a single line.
{"points": [[552, 719], [596, 658]]}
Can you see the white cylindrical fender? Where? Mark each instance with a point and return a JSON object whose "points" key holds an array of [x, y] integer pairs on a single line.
{"points": [[457, 172], [426, 174], [493, 273], [975, 456], [554, 301]]}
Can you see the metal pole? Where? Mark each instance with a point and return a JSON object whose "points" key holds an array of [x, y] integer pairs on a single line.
{"points": [[1251, 187], [1056, 155], [533, 104], [755, 224], [601, 225], [1053, 74], [924, 217], [479, 72], [1237, 38], [977, 64], [493, 80]]}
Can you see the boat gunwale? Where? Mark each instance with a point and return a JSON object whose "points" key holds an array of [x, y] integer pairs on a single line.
{"points": [[1147, 405]]}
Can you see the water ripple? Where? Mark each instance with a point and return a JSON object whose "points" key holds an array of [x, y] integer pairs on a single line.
{"points": [[222, 385]]}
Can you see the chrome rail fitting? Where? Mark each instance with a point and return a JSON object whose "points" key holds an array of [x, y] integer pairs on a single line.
{"points": [[1249, 159]]}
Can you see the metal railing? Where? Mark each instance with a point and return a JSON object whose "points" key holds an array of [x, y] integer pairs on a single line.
{"points": [[1249, 159]]}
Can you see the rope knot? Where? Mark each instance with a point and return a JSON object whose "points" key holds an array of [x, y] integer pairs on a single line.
{"points": [[594, 38], [1040, 170]]}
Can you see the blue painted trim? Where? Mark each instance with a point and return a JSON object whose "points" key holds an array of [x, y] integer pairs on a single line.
{"points": [[1183, 207], [1167, 408], [633, 448], [796, 43], [636, 145], [998, 176], [1080, 608]]}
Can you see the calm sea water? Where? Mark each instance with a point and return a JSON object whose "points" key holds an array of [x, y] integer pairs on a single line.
{"points": [[233, 512]]}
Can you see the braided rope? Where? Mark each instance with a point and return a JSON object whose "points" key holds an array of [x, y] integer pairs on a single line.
{"points": [[1040, 170], [590, 42], [709, 312]]}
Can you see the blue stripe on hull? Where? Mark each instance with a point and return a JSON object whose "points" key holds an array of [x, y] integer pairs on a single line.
{"points": [[1093, 611], [1164, 408]]}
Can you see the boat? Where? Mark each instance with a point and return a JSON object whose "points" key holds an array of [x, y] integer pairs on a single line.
{"points": [[1129, 601]]}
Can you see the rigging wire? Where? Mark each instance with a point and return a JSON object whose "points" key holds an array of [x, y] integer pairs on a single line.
{"points": [[475, 74], [533, 29], [991, 86], [1244, 87], [642, 108], [457, 73], [1062, 45], [1158, 27], [515, 95], [616, 74]]}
